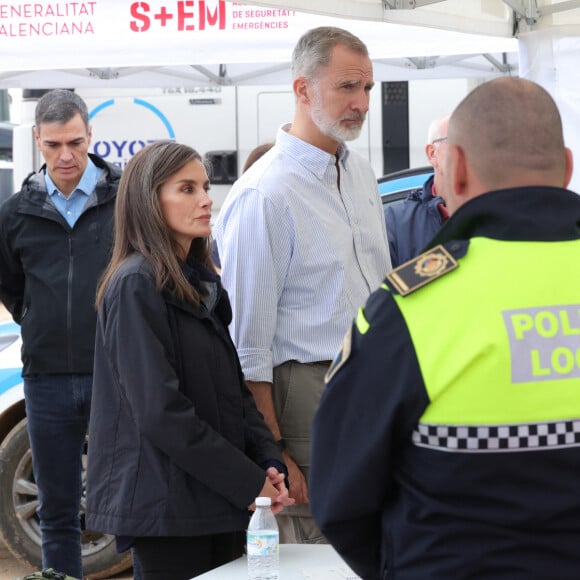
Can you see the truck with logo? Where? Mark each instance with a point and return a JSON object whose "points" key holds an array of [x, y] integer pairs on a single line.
{"points": [[224, 123]]}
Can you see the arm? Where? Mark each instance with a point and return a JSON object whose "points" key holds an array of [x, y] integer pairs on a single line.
{"points": [[139, 345], [11, 274], [255, 262], [366, 417], [262, 447], [262, 392], [265, 248]]}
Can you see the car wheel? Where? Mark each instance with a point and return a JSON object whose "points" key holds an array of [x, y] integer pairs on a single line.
{"points": [[19, 524]]}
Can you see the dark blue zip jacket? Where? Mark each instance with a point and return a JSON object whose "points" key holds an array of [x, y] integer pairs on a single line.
{"points": [[49, 272], [178, 447], [484, 499], [412, 223]]}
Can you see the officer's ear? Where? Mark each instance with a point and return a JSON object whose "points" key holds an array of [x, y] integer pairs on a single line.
{"points": [[459, 171], [456, 177], [569, 167]]}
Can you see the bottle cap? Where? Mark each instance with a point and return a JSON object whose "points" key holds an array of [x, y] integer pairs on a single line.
{"points": [[263, 501]]}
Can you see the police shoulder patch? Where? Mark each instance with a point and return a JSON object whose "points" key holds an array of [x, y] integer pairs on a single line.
{"points": [[341, 357], [421, 270]]}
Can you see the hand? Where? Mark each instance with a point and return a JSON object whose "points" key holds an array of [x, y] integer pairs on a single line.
{"points": [[276, 478], [277, 491], [298, 488], [283, 499]]}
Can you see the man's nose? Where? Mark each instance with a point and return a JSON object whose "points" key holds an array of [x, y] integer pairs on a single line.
{"points": [[361, 102], [66, 154]]}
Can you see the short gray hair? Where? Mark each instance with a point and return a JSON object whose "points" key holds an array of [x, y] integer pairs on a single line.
{"points": [[313, 50], [60, 106]]}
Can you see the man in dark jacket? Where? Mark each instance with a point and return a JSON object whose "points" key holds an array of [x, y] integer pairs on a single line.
{"points": [[452, 450], [55, 240], [412, 223]]}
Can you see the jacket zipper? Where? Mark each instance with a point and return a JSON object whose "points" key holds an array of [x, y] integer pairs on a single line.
{"points": [[69, 305]]}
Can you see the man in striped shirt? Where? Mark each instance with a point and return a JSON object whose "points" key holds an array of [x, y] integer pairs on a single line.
{"points": [[302, 242]]}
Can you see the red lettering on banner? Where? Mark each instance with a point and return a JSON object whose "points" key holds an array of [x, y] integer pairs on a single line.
{"points": [[143, 18], [252, 18], [182, 15], [219, 15], [51, 9], [183, 12], [56, 18], [46, 29], [75, 17], [163, 16]]}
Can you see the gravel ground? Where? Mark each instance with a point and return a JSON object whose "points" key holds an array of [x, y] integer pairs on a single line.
{"points": [[13, 569], [10, 567]]}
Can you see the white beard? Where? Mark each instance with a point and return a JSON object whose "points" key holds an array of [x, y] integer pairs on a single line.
{"points": [[332, 127]]}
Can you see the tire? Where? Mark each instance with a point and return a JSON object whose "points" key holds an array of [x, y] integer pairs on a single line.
{"points": [[19, 524]]}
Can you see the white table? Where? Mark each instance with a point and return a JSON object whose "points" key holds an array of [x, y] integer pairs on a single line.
{"points": [[294, 558]]}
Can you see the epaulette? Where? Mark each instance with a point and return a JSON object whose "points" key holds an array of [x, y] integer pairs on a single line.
{"points": [[421, 270]]}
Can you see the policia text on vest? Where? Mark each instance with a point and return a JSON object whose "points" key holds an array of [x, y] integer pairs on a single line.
{"points": [[543, 342]]}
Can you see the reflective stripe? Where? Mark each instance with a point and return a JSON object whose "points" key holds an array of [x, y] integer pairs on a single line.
{"points": [[362, 324], [498, 438]]}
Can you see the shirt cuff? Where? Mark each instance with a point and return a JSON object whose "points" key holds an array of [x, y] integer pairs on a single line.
{"points": [[257, 365]]}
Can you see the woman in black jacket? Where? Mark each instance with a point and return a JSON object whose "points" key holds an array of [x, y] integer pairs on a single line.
{"points": [[178, 450]]}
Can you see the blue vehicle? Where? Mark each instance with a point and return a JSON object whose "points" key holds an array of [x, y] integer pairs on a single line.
{"points": [[396, 186]]}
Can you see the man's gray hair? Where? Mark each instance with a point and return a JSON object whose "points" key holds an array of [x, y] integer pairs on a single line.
{"points": [[60, 106], [313, 50]]}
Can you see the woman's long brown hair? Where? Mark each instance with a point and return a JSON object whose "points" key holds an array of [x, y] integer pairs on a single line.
{"points": [[140, 225]]}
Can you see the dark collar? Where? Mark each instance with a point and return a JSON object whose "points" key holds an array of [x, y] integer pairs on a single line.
{"points": [[520, 214], [196, 272]]}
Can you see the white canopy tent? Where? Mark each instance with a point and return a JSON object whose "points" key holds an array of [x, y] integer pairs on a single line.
{"points": [[548, 34], [170, 44], [118, 43]]}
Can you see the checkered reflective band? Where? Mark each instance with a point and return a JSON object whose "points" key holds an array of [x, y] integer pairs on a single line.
{"points": [[498, 438]]}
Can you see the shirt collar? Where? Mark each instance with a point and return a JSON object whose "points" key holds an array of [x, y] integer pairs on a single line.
{"points": [[86, 185], [314, 159]]}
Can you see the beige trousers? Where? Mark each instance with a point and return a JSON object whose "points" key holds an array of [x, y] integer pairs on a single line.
{"points": [[296, 391]]}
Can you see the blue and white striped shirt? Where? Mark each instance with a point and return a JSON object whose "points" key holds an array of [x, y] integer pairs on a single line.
{"points": [[72, 206], [299, 256]]}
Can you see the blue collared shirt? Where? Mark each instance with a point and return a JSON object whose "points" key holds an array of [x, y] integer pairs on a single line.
{"points": [[299, 255], [71, 208]]}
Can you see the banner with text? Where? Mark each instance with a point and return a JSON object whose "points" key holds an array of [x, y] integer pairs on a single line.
{"points": [[58, 34]]}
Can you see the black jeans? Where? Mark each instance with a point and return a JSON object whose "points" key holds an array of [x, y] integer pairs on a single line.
{"points": [[182, 558]]}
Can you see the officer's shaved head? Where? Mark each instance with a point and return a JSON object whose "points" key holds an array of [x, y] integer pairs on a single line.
{"points": [[509, 133]]}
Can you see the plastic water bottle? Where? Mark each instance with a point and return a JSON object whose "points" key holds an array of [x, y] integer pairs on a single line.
{"points": [[262, 542]]}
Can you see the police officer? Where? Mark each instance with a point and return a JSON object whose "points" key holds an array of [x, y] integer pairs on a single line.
{"points": [[448, 445]]}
